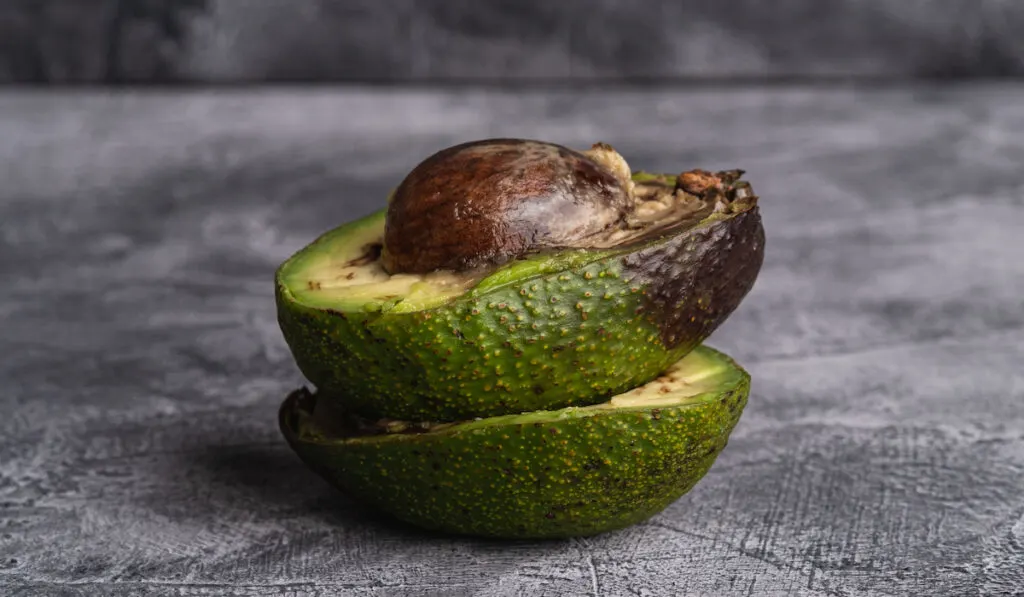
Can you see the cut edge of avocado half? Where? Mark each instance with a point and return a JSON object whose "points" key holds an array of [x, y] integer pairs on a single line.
{"points": [[342, 270], [571, 472], [690, 380]]}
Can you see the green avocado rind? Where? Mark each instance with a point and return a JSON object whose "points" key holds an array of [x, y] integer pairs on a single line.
{"points": [[567, 329], [571, 472]]}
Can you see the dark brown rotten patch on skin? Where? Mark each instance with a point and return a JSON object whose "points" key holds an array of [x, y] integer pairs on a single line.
{"points": [[488, 202], [695, 281]]}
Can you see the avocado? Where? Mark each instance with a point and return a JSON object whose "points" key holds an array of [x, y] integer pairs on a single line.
{"points": [[587, 309], [570, 472]]}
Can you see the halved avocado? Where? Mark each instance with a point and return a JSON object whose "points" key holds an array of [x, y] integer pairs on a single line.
{"points": [[570, 472], [549, 328]]}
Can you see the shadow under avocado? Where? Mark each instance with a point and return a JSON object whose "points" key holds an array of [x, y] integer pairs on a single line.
{"points": [[274, 477], [278, 483]]}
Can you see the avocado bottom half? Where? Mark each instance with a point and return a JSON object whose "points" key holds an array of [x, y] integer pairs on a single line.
{"points": [[571, 472]]}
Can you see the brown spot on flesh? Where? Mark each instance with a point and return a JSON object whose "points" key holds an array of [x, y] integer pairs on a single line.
{"points": [[370, 253]]}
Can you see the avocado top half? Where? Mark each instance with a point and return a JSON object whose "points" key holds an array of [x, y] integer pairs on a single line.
{"points": [[509, 275]]}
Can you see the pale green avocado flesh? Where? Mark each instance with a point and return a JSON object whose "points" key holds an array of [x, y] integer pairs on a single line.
{"points": [[560, 473]]}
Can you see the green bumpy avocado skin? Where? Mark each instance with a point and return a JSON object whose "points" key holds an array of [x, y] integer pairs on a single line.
{"points": [[571, 472], [571, 329]]}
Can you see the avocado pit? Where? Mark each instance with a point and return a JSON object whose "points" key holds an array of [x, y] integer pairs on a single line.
{"points": [[485, 203]]}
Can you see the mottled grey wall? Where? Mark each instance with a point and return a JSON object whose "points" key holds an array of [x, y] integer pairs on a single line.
{"points": [[258, 40]]}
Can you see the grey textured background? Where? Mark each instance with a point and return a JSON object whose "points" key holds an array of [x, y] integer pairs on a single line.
{"points": [[89, 41], [882, 452]]}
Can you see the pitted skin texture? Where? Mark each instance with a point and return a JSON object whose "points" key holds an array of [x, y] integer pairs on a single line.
{"points": [[488, 202]]}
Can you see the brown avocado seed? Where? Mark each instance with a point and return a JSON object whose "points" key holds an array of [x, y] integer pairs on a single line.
{"points": [[491, 201]]}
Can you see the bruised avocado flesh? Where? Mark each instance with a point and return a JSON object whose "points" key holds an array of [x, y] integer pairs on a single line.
{"points": [[568, 472], [553, 328]]}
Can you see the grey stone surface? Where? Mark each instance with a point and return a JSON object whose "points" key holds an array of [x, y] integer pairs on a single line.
{"points": [[257, 40], [882, 451]]}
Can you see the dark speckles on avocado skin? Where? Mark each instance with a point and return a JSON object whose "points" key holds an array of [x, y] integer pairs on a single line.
{"points": [[570, 475]]}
